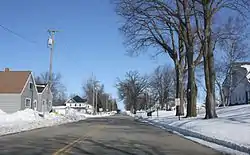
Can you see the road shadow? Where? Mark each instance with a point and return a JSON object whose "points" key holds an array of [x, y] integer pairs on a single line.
{"points": [[115, 147], [119, 136]]}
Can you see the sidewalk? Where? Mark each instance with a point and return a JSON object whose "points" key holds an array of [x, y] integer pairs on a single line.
{"points": [[231, 129]]}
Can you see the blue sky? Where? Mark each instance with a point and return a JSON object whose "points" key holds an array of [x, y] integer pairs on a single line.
{"points": [[88, 41]]}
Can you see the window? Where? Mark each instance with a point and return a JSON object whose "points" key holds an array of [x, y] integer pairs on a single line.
{"points": [[70, 105], [75, 105], [43, 102], [80, 105], [35, 104], [30, 85], [28, 102]]}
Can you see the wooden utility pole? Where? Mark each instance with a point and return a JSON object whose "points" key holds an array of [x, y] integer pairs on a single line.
{"points": [[96, 99], [51, 43], [93, 94]]}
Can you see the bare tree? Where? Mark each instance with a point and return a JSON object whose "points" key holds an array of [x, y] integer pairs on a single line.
{"points": [[166, 26], [57, 87], [233, 47], [204, 13], [162, 83], [131, 88], [89, 89]]}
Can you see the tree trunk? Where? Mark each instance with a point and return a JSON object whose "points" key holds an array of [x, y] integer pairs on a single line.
{"points": [[191, 87], [222, 97], [134, 106], [209, 64], [179, 88]]}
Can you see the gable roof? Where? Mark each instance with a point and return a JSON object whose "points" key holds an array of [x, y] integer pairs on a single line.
{"points": [[238, 66], [40, 87], [78, 99], [13, 81]]}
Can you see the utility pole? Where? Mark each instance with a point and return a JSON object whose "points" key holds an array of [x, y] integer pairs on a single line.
{"points": [[96, 100], [106, 104], [51, 43], [93, 94]]}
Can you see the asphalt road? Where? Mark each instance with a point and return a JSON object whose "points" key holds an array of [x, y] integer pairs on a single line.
{"points": [[116, 135]]}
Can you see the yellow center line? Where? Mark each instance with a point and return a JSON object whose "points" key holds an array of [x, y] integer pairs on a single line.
{"points": [[67, 147]]}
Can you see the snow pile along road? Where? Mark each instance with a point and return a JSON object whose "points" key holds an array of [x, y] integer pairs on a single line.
{"points": [[230, 129], [29, 119]]}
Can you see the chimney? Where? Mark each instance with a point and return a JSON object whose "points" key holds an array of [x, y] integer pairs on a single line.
{"points": [[6, 69]]}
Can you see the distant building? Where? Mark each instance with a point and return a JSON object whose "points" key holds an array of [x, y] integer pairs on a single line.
{"points": [[79, 104]]}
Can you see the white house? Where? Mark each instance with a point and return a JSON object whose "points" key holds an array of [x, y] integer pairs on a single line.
{"points": [[79, 104], [239, 81]]}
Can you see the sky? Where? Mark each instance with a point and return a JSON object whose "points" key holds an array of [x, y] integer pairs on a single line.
{"points": [[88, 41]]}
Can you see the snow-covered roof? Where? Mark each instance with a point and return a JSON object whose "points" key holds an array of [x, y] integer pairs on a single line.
{"points": [[248, 71]]}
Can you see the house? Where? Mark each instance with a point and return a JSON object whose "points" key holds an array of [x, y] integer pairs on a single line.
{"points": [[79, 104], [17, 91], [236, 87], [44, 98]]}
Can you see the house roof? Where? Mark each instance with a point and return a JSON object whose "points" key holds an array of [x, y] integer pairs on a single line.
{"points": [[78, 99], [13, 81], [237, 66], [40, 87]]}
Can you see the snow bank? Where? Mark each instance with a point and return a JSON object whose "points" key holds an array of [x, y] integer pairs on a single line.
{"points": [[2, 112], [29, 119], [231, 129]]}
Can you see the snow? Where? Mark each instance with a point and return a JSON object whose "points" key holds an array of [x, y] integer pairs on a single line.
{"points": [[217, 147], [2, 112], [29, 119], [232, 125], [248, 71]]}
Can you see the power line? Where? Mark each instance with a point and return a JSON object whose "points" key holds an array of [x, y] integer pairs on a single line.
{"points": [[16, 34]]}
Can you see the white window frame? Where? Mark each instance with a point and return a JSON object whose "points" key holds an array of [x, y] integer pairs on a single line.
{"points": [[25, 103], [32, 85], [35, 103], [44, 102]]}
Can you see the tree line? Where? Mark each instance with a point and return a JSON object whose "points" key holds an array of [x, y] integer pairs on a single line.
{"points": [[193, 33], [93, 90], [141, 92], [97, 96]]}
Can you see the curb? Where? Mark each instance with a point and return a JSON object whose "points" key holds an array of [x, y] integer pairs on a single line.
{"points": [[184, 132]]}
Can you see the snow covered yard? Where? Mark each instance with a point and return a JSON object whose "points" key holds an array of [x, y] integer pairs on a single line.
{"points": [[29, 119], [233, 124]]}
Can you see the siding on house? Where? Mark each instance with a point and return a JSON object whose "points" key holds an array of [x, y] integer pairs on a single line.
{"points": [[240, 86], [239, 93], [46, 97], [29, 93], [10, 102]]}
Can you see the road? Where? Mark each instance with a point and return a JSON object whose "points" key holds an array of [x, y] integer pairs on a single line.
{"points": [[116, 135]]}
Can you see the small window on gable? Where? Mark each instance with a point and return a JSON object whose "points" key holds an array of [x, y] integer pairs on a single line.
{"points": [[35, 104], [27, 102], [30, 85]]}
